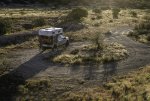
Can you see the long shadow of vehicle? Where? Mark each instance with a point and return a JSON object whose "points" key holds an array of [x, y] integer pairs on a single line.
{"points": [[9, 82]]}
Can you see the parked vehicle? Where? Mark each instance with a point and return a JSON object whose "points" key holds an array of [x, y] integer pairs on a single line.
{"points": [[52, 38]]}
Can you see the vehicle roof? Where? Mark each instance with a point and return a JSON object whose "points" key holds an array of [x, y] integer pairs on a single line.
{"points": [[50, 31]]}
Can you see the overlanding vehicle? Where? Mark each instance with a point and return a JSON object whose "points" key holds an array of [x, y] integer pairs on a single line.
{"points": [[52, 38]]}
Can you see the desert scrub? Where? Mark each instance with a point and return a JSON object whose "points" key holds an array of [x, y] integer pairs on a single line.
{"points": [[5, 65], [133, 14], [98, 40], [5, 26], [141, 31], [88, 94], [77, 14], [125, 87], [98, 11], [30, 43], [90, 54], [115, 13], [68, 59], [39, 22], [31, 88], [73, 21]]}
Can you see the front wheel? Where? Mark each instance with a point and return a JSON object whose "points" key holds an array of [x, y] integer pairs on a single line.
{"points": [[67, 44]]}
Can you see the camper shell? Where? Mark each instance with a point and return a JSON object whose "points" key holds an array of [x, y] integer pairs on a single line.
{"points": [[52, 38], [50, 31]]}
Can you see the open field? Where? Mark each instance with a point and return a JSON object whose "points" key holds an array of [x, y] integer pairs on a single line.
{"points": [[80, 72]]}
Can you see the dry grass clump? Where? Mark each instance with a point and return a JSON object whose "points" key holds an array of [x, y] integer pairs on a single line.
{"points": [[5, 65], [68, 59], [115, 13], [141, 31], [114, 51], [31, 88], [31, 43], [88, 94], [90, 54], [135, 86]]}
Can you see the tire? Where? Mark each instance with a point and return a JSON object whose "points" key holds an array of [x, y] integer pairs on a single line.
{"points": [[54, 48], [43, 48], [67, 44]]}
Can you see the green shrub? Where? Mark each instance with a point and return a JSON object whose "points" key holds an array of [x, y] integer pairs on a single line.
{"points": [[99, 17], [143, 28], [39, 22], [5, 26], [77, 14], [97, 10], [27, 26], [133, 14], [98, 41], [115, 13]]}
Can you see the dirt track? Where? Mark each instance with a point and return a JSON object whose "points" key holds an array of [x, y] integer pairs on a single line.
{"points": [[31, 63]]}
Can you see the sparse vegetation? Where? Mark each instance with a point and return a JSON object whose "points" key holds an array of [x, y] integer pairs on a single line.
{"points": [[5, 26], [28, 26], [93, 54], [98, 11], [115, 13], [77, 14], [119, 88], [39, 22], [134, 14], [98, 41], [4, 63], [34, 88], [142, 31], [76, 73]]}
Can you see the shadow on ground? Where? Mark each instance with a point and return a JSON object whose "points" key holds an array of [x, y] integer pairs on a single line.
{"points": [[9, 82]]}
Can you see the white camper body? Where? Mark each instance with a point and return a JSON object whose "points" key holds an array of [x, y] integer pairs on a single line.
{"points": [[52, 38], [50, 31]]}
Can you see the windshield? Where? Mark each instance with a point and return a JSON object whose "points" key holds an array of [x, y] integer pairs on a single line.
{"points": [[61, 37]]}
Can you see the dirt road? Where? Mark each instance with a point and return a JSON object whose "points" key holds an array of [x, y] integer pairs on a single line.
{"points": [[30, 63]]}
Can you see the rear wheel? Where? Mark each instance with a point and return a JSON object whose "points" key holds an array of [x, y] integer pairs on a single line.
{"points": [[54, 48], [43, 48]]}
